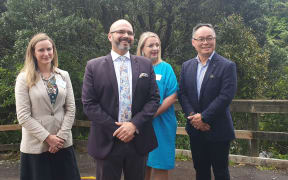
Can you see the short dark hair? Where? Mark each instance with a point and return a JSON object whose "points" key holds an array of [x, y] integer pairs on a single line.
{"points": [[201, 25]]}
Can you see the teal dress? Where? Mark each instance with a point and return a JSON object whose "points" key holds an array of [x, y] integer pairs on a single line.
{"points": [[163, 157]]}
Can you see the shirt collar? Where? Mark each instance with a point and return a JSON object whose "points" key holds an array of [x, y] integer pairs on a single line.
{"points": [[209, 59], [115, 55]]}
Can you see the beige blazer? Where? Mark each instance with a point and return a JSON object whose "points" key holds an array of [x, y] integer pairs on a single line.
{"points": [[39, 118]]}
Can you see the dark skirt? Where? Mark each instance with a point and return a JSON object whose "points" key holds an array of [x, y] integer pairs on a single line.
{"points": [[47, 166]]}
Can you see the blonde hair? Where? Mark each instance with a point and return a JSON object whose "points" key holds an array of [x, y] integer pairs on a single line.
{"points": [[30, 65], [144, 36]]}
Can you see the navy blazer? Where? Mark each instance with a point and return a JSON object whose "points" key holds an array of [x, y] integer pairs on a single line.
{"points": [[217, 91], [101, 104]]}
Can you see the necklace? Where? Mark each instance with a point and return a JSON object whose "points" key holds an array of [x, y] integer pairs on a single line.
{"points": [[46, 76]]}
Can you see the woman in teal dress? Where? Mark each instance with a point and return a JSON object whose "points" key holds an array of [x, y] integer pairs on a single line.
{"points": [[161, 159]]}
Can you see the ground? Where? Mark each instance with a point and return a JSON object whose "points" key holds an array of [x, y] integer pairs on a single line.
{"points": [[9, 170]]}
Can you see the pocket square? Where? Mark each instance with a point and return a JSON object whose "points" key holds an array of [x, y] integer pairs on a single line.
{"points": [[142, 75], [211, 76]]}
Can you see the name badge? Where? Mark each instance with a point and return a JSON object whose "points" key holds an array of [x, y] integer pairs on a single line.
{"points": [[61, 83], [158, 77]]}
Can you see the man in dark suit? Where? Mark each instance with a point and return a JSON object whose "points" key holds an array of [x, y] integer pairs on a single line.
{"points": [[120, 97], [207, 86]]}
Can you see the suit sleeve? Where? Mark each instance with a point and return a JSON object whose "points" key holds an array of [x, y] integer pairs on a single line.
{"points": [[69, 108], [226, 94], [23, 110], [151, 106], [91, 105], [182, 93]]}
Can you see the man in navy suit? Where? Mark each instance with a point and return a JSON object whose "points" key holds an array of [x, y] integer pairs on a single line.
{"points": [[207, 86], [120, 97]]}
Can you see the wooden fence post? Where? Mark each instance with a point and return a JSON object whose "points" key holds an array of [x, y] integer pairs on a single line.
{"points": [[254, 143]]}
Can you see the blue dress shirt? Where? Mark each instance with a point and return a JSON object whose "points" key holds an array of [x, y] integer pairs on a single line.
{"points": [[201, 70]]}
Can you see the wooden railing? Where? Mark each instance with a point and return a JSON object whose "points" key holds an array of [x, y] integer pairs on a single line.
{"points": [[256, 107]]}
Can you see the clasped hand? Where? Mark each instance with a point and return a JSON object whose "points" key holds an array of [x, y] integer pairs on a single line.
{"points": [[125, 132], [55, 143], [197, 123]]}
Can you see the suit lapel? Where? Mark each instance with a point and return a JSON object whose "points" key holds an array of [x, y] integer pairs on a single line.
{"points": [[135, 73], [194, 76], [61, 90], [42, 89], [112, 75], [209, 73]]}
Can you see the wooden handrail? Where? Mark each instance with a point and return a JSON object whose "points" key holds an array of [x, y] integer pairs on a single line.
{"points": [[240, 134], [259, 106], [10, 127], [238, 105], [254, 106]]}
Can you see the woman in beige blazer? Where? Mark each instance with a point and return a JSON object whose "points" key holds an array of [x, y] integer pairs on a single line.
{"points": [[46, 110]]}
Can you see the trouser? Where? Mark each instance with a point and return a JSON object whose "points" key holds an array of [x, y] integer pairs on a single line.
{"points": [[123, 157], [206, 154]]}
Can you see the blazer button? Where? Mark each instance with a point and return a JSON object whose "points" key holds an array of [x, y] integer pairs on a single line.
{"points": [[52, 114]]}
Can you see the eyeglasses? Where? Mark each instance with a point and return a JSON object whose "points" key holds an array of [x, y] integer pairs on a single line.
{"points": [[122, 32], [202, 40]]}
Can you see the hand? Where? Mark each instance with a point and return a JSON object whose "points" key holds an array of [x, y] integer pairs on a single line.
{"points": [[55, 143], [125, 132], [197, 123], [204, 127], [53, 149], [195, 119]]}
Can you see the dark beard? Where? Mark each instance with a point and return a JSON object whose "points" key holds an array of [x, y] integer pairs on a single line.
{"points": [[125, 39]]}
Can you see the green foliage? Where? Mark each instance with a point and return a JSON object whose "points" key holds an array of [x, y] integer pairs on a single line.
{"points": [[277, 155], [274, 122], [266, 168], [7, 90], [237, 42], [182, 157], [182, 142], [277, 44], [7, 98], [280, 88], [80, 133], [10, 137]]}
